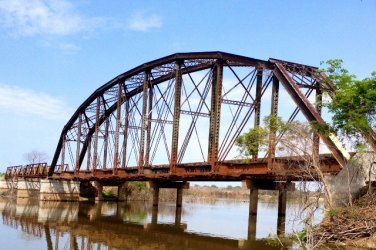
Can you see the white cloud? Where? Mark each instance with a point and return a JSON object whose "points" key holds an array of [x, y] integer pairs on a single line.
{"points": [[44, 17], [140, 21], [20, 101]]}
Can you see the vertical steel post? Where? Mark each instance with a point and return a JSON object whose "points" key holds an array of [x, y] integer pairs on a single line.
{"points": [[215, 114], [176, 118], [78, 149], [96, 133], [125, 138], [63, 154], [258, 104], [148, 129], [105, 146], [88, 154], [274, 114], [316, 137], [141, 161], [117, 129]]}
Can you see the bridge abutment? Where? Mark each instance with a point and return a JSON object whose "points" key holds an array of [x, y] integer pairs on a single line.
{"points": [[27, 188], [347, 184], [7, 185], [59, 190]]}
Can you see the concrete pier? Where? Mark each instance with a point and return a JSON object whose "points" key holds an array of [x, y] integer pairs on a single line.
{"points": [[282, 188], [179, 186], [59, 190], [122, 191], [99, 190]]}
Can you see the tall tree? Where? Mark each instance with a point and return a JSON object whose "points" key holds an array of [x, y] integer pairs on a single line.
{"points": [[353, 103], [35, 156]]}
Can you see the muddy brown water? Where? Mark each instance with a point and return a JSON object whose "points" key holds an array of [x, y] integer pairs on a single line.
{"points": [[224, 224]]}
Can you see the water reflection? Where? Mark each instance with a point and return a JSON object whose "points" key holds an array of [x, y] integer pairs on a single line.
{"points": [[136, 225]]}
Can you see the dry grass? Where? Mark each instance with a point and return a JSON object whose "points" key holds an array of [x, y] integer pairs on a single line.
{"points": [[351, 223]]}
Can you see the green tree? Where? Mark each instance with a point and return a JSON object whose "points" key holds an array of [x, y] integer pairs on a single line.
{"points": [[256, 139], [353, 103]]}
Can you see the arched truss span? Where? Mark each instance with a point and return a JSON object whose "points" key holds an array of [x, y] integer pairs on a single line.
{"points": [[186, 107]]}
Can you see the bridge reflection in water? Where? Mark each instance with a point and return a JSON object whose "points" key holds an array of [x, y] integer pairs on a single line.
{"points": [[117, 226]]}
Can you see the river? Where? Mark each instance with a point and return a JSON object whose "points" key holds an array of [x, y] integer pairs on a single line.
{"points": [[224, 224]]}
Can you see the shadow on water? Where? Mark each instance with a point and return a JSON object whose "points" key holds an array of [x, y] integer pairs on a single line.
{"points": [[110, 225]]}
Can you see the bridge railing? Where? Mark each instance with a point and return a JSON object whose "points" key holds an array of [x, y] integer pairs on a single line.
{"points": [[35, 170]]}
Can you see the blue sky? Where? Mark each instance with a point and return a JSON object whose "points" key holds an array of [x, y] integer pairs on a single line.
{"points": [[54, 54]]}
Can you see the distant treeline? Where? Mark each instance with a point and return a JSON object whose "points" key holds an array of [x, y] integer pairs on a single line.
{"points": [[139, 191]]}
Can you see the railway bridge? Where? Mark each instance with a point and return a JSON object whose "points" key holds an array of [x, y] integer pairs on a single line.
{"points": [[176, 119]]}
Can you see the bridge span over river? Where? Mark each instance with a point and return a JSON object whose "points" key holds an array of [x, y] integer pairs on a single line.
{"points": [[176, 119]]}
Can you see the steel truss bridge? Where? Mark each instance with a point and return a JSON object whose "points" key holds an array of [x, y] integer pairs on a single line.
{"points": [[178, 117]]}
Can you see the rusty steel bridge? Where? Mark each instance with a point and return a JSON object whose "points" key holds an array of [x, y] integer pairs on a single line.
{"points": [[177, 118]]}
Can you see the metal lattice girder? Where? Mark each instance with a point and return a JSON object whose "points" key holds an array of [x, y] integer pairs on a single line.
{"points": [[310, 112], [138, 114]]}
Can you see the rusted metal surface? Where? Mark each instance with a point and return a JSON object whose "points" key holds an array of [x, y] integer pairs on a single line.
{"points": [[148, 122], [37, 170]]}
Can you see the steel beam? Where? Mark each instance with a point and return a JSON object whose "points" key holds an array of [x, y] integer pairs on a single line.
{"points": [[96, 135], [125, 138], [148, 128], [215, 114], [88, 156], [105, 146], [117, 129], [258, 104], [176, 118], [310, 113], [78, 149], [316, 136], [62, 154], [273, 113], [141, 161]]}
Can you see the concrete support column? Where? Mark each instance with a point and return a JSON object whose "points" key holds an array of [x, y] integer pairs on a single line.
{"points": [[253, 200], [179, 197], [155, 196], [281, 219], [154, 215], [282, 198], [59, 190], [27, 188], [252, 218], [122, 191], [179, 186], [178, 216], [99, 187]]}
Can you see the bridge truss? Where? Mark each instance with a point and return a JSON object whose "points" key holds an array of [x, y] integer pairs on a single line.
{"points": [[178, 118]]}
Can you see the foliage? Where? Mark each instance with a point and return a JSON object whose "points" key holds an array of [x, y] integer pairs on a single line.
{"points": [[354, 102], [333, 212], [108, 194], [140, 185], [256, 139]]}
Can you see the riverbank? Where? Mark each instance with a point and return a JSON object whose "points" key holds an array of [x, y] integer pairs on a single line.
{"points": [[353, 226]]}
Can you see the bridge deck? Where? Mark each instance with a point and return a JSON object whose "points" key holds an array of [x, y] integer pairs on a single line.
{"points": [[282, 168]]}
